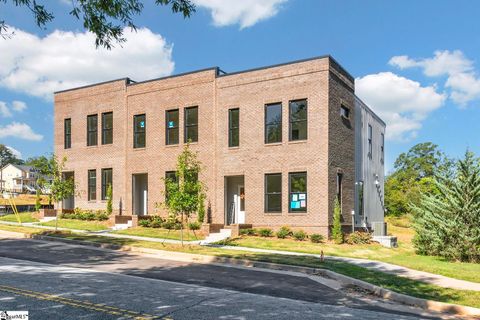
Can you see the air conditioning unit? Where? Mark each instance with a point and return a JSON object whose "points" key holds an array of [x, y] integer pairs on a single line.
{"points": [[379, 228]]}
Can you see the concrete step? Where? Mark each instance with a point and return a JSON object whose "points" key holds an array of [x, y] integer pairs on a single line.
{"points": [[122, 226]]}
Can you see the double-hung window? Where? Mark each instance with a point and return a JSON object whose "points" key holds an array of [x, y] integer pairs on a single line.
{"points": [[234, 127], [92, 185], [191, 124], [67, 131], [297, 191], [273, 192], [171, 121], [139, 129], [298, 120], [273, 123], [107, 128], [106, 181], [92, 130]]}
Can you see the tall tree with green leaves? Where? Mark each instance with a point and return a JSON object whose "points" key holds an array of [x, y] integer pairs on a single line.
{"points": [[447, 223], [106, 19], [413, 174], [184, 196]]}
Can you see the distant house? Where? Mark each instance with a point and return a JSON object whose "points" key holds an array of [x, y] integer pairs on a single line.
{"points": [[18, 178]]}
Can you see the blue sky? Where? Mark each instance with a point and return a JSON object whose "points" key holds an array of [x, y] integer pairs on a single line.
{"points": [[415, 62]]}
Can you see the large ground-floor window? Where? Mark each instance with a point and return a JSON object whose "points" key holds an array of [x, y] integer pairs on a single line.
{"points": [[297, 191]]}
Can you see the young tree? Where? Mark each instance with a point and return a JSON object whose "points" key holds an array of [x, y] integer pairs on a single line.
{"points": [[60, 188], [447, 223], [106, 18], [337, 234], [109, 199], [183, 197]]}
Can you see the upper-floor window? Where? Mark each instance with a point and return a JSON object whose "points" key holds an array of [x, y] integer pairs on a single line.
{"points": [[191, 124], [92, 130], [297, 191], [273, 123], [107, 128], [107, 180], [139, 129], [234, 127], [382, 148], [273, 192], [370, 137], [344, 112], [92, 185], [171, 121], [67, 133], [298, 120]]}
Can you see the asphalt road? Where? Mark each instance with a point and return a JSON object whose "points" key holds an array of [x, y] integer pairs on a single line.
{"points": [[60, 281]]}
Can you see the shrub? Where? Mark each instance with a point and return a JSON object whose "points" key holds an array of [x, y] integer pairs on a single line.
{"points": [[300, 235], [284, 232], [265, 232], [156, 222], [201, 209], [89, 215], [337, 234], [144, 223], [358, 237], [248, 232], [194, 226], [38, 204], [316, 238], [109, 199]]}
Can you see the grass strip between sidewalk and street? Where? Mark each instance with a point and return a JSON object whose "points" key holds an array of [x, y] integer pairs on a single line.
{"points": [[389, 281]]}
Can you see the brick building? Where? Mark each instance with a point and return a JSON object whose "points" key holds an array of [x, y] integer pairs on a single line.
{"points": [[278, 144]]}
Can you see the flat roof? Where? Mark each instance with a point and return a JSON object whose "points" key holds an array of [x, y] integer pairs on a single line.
{"points": [[218, 73]]}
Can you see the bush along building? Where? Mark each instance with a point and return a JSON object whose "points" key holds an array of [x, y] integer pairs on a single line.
{"points": [[278, 144]]}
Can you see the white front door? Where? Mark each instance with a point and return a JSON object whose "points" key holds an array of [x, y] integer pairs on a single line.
{"points": [[240, 205]]}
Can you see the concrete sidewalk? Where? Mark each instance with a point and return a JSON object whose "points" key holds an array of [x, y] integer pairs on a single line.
{"points": [[426, 277]]}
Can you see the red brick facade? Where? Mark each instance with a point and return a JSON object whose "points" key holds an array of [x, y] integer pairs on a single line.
{"points": [[328, 149]]}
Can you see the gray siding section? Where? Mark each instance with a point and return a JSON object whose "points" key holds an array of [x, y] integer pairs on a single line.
{"points": [[369, 167]]}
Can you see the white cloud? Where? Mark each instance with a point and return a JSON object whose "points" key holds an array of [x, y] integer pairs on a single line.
{"points": [[20, 131], [19, 106], [246, 13], [4, 110], [39, 66], [15, 152], [462, 79], [402, 103]]}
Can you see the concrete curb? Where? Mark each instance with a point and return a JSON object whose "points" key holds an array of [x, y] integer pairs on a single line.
{"points": [[429, 305]]}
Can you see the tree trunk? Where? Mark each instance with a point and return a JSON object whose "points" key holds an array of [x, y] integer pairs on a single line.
{"points": [[181, 231], [56, 217]]}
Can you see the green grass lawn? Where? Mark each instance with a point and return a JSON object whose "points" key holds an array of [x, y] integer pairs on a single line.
{"points": [[78, 224], [404, 255], [24, 217], [161, 233]]}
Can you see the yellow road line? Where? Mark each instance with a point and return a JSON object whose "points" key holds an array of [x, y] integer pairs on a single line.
{"points": [[79, 304]]}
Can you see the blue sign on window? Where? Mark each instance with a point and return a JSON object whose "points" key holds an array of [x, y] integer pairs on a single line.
{"points": [[171, 124], [142, 124]]}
